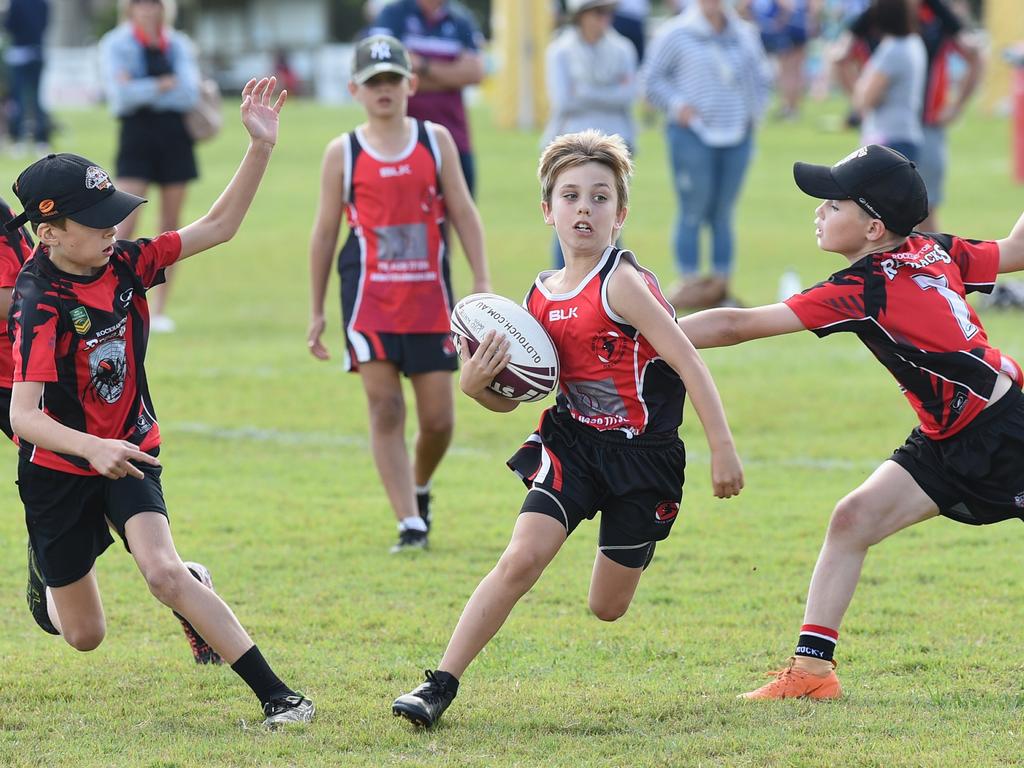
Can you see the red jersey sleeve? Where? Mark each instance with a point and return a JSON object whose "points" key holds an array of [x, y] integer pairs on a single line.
{"points": [[149, 258], [35, 338], [10, 265], [826, 307], [978, 261]]}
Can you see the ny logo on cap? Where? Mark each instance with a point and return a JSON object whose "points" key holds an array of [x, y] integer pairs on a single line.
{"points": [[96, 178], [380, 50]]}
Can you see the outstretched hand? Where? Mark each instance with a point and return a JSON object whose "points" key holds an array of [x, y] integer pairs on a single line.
{"points": [[259, 117]]}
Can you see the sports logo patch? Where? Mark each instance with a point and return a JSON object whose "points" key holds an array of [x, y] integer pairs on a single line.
{"points": [[80, 319], [381, 51], [609, 347], [862, 152], [666, 511], [47, 206], [96, 178]]}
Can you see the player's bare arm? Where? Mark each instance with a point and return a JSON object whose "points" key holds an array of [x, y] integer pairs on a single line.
{"points": [[111, 458], [480, 368], [436, 75], [630, 298], [5, 301], [1011, 249], [726, 326], [260, 118], [323, 241], [462, 210]]}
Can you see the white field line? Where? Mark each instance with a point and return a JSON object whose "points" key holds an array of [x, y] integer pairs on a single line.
{"points": [[255, 434]]}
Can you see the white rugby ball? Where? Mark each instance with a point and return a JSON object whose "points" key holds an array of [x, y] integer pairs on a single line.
{"points": [[533, 370]]}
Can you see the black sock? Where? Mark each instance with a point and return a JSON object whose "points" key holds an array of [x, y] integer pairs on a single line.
{"points": [[816, 642], [449, 681], [253, 668]]}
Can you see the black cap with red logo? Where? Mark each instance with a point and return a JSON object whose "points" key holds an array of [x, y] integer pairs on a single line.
{"points": [[70, 186]]}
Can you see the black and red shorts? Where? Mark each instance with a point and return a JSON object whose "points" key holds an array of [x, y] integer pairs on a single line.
{"points": [[574, 471], [412, 353], [67, 515], [977, 475]]}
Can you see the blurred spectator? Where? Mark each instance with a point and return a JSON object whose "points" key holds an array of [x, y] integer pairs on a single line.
{"points": [[26, 24], [707, 71], [944, 36], [286, 78], [591, 78], [630, 21], [889, 93], [786, 27], [444, 42], [151, 77]]}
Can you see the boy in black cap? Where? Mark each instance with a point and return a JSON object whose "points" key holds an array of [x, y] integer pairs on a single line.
{"points": [[398, 180], [88, 433], [903, 294]]}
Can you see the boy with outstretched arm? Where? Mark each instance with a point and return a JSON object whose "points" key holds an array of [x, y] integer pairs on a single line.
{"points": [[903, 294], [89, 438], [611, 443]]}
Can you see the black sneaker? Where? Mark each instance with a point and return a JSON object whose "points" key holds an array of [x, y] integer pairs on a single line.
{"points": [[425, 705], [201, 650], [423, 505], [410, 539], [35, 594], [288, 709]]}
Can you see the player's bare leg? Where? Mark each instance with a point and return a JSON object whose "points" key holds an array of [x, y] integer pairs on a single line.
{"points": [[535, 541], [888, 501], [612, 586], [76, 611], [435, 413], [149, 537]]}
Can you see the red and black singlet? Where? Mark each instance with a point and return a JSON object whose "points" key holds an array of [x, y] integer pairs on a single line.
{"points": [[394, 264], [85, 339], [907, 306], [15, 250], [610, 377]]}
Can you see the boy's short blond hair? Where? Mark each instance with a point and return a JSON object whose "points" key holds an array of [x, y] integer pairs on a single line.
{"points": [[590, 146]]}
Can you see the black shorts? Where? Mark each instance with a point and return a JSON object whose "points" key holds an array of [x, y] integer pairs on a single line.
{"points": [[156, 147], [67, 515], [977, 475], [412, 353], [5, 412], [574, 471]]}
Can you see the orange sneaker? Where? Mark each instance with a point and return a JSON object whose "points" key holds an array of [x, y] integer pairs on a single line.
{"points": [[791, 683]]}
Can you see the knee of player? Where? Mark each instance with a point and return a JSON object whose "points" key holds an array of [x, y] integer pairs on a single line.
{"points": [[608, 611], [521, 566], [85, 637], [437, 424], [387, 411], [851, 519], [166, 581]]}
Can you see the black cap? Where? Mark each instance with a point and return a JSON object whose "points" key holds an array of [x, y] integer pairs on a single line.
{"points": [[70, 186], [878, 179], [379, 53]]}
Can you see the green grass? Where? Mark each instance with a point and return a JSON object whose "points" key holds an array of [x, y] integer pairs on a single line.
{"points": [[269, 481]]}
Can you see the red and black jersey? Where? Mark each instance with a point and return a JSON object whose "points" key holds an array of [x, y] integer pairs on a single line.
{"points": [[908, 307], [85, 339], [610, 377], [394, 264], [15, 250]]}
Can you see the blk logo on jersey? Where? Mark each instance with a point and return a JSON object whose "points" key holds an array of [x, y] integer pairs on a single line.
{"points": [[666, 511], [609, 347], [555, 315], [393, 171]]}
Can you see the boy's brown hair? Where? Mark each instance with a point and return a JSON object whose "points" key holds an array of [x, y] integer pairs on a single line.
{"points": [[590, 146]]}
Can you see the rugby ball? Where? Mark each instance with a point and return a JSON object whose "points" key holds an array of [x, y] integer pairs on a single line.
{"points": [[533, 370]]}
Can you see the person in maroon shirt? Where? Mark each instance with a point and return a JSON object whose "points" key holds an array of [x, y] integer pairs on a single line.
{"points": [[89, 438], [903, 294]]}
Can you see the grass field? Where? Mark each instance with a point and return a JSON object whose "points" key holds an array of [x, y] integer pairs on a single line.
{"points": [[269, 481]]}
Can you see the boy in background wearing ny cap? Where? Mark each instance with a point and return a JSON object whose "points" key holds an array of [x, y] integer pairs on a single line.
{"points": [[903, 294], [398, 180], [88, 433]]}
